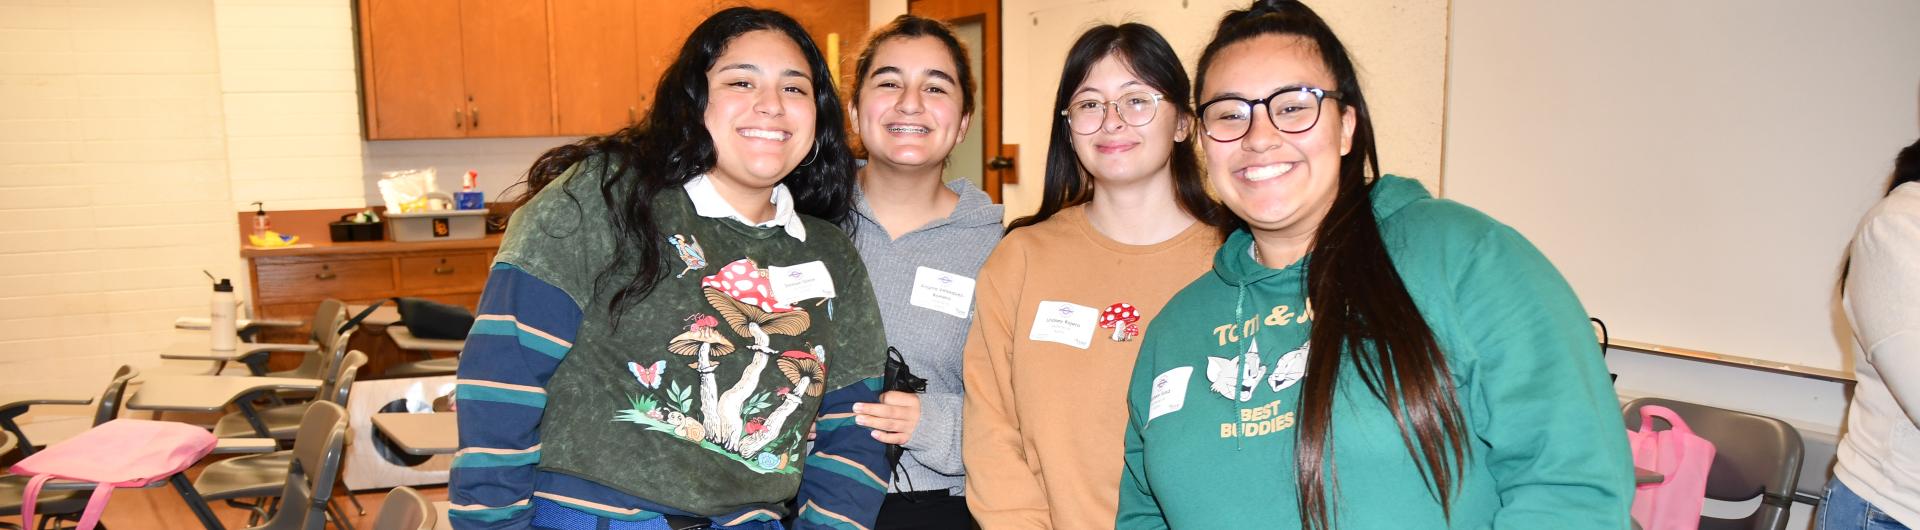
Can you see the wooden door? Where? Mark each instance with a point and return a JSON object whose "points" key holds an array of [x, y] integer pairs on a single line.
{"points": [[595, 68], [999, 159], [663, 27], [509, 84], [413, 86]]}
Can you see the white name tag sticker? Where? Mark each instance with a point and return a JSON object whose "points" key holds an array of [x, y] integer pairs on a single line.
{"points": [[805, 281], [1169, 392], [942, 291], [1066, 323]]}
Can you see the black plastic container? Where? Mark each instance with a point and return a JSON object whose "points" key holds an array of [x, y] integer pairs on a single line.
{"points": [[342, 231]]}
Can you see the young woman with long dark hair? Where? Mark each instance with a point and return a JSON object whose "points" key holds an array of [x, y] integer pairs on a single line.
{"points": [[1124, 222], [673, 308], [1362, 355], [923, 240]]}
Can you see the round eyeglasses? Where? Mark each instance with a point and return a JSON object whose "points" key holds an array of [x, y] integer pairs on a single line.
{"points": [[1291, 110], [1136, 109]]}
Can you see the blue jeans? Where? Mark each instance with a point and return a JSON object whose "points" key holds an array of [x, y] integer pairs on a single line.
{"points": [[549, 515], [1845, 510]]}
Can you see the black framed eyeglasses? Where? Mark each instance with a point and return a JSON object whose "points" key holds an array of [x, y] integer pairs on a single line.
{"points": [[1136, 109], [1291, 110]]}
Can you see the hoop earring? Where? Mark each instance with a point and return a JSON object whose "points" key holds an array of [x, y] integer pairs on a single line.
{"points": [[812, 155]]}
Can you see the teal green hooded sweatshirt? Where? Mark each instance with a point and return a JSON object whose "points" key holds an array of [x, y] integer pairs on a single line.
{"points": [[1215, 392]]}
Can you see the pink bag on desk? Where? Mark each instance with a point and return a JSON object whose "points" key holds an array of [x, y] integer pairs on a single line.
{"points": [[115, 454], [1681, 456]]}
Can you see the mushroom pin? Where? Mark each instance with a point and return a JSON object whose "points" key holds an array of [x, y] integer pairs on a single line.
{"points": [[1121, 317]]}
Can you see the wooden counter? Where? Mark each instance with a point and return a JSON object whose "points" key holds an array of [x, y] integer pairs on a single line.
{"points": [[289, 283]]}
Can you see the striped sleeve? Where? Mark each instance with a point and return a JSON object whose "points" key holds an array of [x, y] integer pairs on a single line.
{"points": [[846, 473], [524, 327]]}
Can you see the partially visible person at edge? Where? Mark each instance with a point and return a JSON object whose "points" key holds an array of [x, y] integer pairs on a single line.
{"points": [[1876, 484], [1362, 355], [652, 265], [923, 243], [1124, 221]]}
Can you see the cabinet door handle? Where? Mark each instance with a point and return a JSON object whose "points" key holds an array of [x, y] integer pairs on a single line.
{"points": [[473, 117], [325, 275], [457, 117], [443, 270], [631, 112]]}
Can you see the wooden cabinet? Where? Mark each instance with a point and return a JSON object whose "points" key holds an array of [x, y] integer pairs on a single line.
{"points": [[410, 57], [503, 68], [504, 54], [455, 68], [596, 68]]}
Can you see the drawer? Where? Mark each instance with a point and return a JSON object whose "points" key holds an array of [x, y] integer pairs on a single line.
{"points": [[307, 281], [442, 273]]}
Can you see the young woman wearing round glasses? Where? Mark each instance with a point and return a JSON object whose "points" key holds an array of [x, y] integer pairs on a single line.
{"points": [[1363, 355], [1124, 222]]}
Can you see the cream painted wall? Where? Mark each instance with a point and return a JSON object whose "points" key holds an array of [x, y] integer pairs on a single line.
{"points": [[114, 188], [1400, 46]]}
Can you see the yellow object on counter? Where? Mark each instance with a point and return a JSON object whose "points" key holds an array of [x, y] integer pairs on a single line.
{"points": [[272, 239]]}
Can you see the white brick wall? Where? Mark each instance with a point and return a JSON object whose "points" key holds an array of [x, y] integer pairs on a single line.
{"points": [[130, 131], [291, 103], [114, 189]]}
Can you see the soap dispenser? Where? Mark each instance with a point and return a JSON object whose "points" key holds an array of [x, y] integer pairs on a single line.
{"points": [[260, 222]]}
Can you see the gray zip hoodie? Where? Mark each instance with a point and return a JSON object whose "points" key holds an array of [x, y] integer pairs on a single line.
{"points": [[930, 340]]}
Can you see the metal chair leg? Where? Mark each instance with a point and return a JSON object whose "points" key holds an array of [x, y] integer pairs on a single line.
{"points": [[356, 503]]}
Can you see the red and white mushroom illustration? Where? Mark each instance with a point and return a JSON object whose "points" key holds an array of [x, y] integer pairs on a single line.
{"points": [[809, 378], [1122, 317], [743, 296]]}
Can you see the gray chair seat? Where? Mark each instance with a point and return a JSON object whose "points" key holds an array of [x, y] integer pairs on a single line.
{"points": [[52, 502], [246, 477], [426, 368]]}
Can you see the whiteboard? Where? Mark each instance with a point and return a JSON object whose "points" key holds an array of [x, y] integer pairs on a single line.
{"points": [[1695, 168]]}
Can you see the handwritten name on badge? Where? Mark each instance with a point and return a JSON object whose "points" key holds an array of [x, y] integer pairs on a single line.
{"points": [[1064, 322], [805, 281], [942, 291], [1169, 392]]}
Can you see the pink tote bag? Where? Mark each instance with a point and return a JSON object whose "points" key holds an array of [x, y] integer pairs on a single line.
{"points": [[1683, 458], [117, 453]]}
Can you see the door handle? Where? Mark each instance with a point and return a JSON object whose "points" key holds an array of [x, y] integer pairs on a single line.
{"points": [[1000, 162], [443, 270]]}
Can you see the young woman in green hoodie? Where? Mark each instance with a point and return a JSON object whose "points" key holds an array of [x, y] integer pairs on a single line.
{"points": [[1426, 352]]}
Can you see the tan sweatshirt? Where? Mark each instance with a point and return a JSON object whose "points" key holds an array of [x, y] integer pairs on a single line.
{"points": [[1046, 384]]}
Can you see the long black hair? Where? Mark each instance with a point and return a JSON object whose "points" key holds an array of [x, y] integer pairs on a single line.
{"points": [[1363, 313], [1147, 55], [671, 146], [1906, 167]]}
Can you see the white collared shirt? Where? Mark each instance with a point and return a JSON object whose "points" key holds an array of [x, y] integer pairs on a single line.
{"points": [[707, 202]]}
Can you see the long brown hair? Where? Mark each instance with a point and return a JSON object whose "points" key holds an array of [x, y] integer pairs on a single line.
{"points": [[1147, 55], [1363, 313]]}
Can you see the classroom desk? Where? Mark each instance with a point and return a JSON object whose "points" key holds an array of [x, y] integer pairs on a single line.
{"points": [[420, 434], [239, 325], [208, 393], [12, 405], [404, 338], [212, 393], [386, 315], [1647, 476], [191, 345]]}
